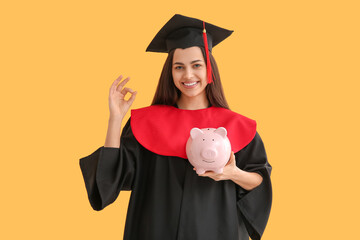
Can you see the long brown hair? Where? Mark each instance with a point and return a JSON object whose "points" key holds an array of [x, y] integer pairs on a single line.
{"points": [[168, 94]]}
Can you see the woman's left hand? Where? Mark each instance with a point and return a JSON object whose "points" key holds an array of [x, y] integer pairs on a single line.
{"points": [[228, 171]]}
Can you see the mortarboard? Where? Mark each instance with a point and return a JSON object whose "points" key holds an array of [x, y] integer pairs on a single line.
{"points": [[183, 32]]}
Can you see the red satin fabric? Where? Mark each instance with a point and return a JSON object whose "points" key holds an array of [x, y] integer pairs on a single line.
{"points": [[164, 129]]}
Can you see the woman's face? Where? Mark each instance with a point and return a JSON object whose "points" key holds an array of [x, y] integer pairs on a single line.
{"points": [[189, 71]]}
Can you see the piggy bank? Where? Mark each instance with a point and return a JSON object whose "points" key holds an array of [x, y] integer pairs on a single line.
{"points": [[208, 149]]}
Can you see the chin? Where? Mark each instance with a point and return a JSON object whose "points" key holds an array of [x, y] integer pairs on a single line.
{"points": [[190, 94]]}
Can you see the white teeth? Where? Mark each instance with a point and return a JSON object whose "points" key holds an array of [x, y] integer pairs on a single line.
{"points": [[190, 84]]}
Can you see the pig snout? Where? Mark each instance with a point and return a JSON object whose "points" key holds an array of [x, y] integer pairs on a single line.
{"points": [[209, 153]]}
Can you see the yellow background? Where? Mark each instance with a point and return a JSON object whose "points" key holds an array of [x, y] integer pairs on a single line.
{"points": [[293, 66]]}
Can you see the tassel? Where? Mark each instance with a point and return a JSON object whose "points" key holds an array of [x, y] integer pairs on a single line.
{"points": [[208, 64]]}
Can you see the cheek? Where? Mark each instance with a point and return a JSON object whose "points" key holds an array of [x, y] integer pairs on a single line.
{"points": [[176, 76], [203, 75]]}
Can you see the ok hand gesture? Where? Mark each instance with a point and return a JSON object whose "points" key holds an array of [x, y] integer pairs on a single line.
{"points": [[117, 104]]}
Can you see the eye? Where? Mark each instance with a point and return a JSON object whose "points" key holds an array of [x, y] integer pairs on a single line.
{"points": [[197, 65], [203, 139], [178, 67]]}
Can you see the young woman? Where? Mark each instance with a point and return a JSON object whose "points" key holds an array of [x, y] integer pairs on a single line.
{"points": [[169, 200]]}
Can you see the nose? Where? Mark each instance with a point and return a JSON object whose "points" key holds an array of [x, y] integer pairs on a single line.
{"points": [[188, 73], [209, 153]]}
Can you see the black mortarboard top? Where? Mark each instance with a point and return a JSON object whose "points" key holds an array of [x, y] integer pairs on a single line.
{"points": [[183, 32]]}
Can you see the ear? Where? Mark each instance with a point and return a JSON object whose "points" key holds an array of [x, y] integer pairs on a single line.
{"points": [[221, 131], [195, 132]]}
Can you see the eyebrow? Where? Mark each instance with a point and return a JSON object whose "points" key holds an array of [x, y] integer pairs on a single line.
{"points": [[180, 63]]}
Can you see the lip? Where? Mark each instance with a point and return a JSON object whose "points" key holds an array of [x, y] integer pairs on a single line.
{"points": [[192, 86]]}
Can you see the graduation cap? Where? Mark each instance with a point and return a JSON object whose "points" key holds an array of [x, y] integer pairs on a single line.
{"points": [[183, 32]]}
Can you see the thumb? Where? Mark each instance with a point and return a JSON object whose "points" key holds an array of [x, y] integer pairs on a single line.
{"points": [[232, 157], [231, 160], [132, 98]]}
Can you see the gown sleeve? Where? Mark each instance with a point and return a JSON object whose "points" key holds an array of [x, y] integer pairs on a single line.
{"points": [[109, 170], [254, 205]]}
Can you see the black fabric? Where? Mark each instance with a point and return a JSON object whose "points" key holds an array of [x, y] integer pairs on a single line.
{"points": [[183, 32], [170, 201]]}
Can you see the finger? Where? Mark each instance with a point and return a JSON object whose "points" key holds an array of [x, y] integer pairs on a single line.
{"points": [[232, 156], [231, 160], [132, 98], [122, 84], [113, 85], [126, 90]]}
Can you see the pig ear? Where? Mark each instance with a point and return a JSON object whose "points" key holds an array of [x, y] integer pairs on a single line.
{"points": [[221, 131], [195, 132]]}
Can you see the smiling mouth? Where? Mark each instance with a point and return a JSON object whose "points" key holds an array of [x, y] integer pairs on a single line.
{"points": [[208, 161], [190, 84]]}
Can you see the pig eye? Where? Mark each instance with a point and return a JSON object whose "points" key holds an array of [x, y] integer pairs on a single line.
{"points": [[213, 139], [203, 139]]}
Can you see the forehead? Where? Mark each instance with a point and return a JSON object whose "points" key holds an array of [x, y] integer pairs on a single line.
{"points": [[187, 54]]}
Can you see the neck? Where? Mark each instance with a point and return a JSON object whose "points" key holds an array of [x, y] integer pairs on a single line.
{"points": [[193, 103]]}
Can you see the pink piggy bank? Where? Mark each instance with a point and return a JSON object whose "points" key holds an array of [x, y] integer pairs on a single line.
{"points": [[208, 149]]}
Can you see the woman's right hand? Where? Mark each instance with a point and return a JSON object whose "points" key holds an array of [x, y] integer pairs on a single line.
{"points": [[117, 104]]}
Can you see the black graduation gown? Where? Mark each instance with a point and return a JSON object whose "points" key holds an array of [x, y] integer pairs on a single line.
{"points": [[170, 201]]}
